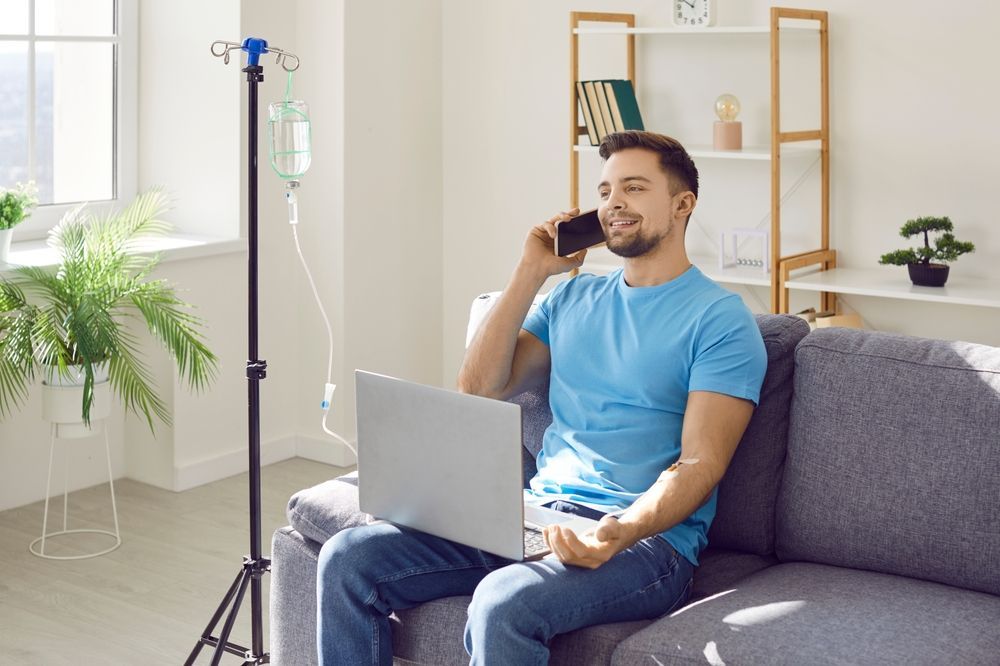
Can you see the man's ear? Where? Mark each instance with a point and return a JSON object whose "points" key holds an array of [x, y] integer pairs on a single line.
{"points": [[684, 204]]}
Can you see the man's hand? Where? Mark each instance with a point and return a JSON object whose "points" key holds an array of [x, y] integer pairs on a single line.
{"points": [[590, 550], [539, 255]]}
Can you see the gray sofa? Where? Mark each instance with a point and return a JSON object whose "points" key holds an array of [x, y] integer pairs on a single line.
{"points": [[859, 523]]}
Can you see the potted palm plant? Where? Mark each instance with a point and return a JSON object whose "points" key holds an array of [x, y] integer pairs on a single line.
{"points": [[71, 325], [922, 270], [15, 207]]}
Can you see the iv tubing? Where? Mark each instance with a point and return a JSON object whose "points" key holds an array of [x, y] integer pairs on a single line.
{"points": [[329, 333]]}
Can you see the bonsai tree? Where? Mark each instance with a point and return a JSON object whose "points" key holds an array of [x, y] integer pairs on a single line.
{"points": [[79, 314], [946, 247], [16, 204]]}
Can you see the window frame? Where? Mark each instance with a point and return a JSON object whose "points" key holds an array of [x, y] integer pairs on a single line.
{"points": [[125, 44]]}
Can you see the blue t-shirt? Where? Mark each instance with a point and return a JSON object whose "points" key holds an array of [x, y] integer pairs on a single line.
{"points": [[623, 362]]}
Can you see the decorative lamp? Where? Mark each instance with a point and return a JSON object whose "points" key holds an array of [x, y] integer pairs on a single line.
{"points": [[728, 132]]}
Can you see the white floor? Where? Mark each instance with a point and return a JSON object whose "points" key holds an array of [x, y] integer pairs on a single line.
{"points": [[148, 601]]}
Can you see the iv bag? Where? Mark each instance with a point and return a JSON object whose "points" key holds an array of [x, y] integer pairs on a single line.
{"points": [[289, 129]]}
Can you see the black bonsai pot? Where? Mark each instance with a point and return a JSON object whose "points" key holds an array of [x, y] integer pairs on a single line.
{"points": [[928, 275]]}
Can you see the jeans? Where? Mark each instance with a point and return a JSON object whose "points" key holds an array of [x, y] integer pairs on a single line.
{"points": [[365, 573]]}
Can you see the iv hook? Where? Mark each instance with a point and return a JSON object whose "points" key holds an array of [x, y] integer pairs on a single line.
{"points": [[221, 49]]}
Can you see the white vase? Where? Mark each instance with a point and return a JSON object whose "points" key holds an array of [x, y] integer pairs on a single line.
{"points": [[62, 402], [5, 236]]}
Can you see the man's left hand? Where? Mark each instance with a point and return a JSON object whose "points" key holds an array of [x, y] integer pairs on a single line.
{"points": [[590, 550]]}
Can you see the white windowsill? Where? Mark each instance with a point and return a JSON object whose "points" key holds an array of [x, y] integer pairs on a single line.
{"points": [[174, 247]]}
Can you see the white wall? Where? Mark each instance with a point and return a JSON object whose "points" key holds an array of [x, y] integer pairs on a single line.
{"points": [[439, 133], [192, 112], [393, 186], [195, 144], [910, 137]]}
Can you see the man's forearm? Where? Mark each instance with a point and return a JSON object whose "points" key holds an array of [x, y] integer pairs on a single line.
{"points": [[674, 497], [488, 362]]}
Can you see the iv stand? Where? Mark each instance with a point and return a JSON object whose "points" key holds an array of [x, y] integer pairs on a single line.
{"points": [[254, 565]]}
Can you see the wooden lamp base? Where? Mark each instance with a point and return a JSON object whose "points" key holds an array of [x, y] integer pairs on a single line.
{"points": [[727, 135]]}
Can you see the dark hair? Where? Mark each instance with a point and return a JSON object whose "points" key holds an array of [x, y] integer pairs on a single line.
{"points": [[674, 160]]}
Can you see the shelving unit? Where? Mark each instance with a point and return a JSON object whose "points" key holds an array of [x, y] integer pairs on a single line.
{"points": [[743, 275], [886, 282], [781, 265]]}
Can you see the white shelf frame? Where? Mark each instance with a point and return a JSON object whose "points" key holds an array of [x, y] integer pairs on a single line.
{"points": [[719, 30], [886, 282], [758, 153]]}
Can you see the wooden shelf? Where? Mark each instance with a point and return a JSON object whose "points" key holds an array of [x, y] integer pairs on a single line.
{"points": [[893, 282], [809, 143], [720, 30], [761, 153]]}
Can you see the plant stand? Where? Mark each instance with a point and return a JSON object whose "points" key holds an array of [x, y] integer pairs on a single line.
{"points": [[40, 541]]}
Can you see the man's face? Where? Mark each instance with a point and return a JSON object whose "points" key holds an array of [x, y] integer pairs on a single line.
{"points": [[637, 209]]}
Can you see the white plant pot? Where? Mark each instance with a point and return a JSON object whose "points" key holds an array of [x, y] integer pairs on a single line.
{"points": [[62, 403], [5, 236]]}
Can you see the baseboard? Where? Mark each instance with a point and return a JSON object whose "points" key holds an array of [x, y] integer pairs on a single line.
{"points": [[325, 450], [232, 463]]}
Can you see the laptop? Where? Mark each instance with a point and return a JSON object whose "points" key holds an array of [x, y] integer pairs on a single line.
{"points": [[448, 464]]}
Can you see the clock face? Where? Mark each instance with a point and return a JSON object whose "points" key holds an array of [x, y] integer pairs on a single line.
{"points": [[692, 13]]}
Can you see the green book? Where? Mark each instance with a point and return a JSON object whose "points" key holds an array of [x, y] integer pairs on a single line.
{"points": [[623, 95]]}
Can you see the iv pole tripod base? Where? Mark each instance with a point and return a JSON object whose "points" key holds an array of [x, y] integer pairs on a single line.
{"points": [[254, 564], [252, 570]]}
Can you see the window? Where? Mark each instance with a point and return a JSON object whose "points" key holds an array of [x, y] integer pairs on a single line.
{"points": [[68, 121]]}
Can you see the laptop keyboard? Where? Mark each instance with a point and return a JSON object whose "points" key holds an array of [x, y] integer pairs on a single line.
{"points": [[534, 542]]}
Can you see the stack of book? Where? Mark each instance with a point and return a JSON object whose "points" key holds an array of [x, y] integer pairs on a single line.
{"points": [[608, 106]]}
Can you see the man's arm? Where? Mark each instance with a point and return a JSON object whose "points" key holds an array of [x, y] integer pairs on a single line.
{"points": [[713, 426], [504, 360]]}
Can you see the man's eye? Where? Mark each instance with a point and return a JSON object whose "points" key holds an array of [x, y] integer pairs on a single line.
{"points": [[634, 188], [603, 195]]}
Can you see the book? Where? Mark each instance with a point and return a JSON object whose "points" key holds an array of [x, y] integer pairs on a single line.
{"points": [[595, 109], [624, 106], [616, 113], [588, 120], [602, 100]]}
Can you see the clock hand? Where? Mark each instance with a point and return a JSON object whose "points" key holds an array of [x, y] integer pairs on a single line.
{"points": [[689, 4]]}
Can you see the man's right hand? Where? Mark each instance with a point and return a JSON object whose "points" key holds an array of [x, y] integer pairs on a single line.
{"points": [[539, 255]]}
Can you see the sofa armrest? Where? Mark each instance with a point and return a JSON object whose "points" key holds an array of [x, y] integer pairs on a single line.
{"points": [[323, 510]]}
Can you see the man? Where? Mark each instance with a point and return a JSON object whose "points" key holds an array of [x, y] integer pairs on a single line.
{"points": [[654, 370]]}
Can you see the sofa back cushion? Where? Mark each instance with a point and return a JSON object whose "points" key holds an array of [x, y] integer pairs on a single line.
{"points": [[894, 458], [744, 517]]}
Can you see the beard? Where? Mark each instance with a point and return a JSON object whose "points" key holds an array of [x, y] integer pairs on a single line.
{"points": [[635, 245]]}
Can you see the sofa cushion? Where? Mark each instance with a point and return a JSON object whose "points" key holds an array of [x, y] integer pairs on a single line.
{"points": [[719, 569], [323, 510], [432, 634], [744, 518], [894, 458], [535, 418], [802, 613]]}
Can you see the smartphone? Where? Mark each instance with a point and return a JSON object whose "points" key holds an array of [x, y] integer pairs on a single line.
{"points": [[578, 233]]}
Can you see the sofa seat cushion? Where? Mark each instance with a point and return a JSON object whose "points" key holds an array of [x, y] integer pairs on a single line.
{"points": [[719, 569], [894, 458], [432, 634], [327, 508], [803, 613]]}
